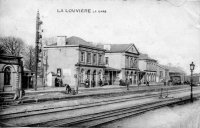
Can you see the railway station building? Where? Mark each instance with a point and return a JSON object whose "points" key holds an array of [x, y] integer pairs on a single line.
{"points": [[162, 74], [74, 61], [121, 63], [148, 67]]}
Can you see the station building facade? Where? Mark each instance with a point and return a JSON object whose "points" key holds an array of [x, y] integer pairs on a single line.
{"points": [[148, 66], [74, 61], [10, 73], [121, 63], [162, 74]]}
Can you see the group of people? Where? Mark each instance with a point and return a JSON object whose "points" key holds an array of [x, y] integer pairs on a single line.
{"points": [[87, 83], [58, 82]]}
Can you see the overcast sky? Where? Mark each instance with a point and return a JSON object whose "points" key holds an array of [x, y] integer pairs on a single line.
{"points": [[167, 30]]}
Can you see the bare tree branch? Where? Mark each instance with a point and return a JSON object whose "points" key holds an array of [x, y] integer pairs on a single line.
{"points": [[12, 46]]}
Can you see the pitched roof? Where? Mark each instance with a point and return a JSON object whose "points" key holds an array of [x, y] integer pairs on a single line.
{"points": [[73, 40], [116, 47], [119, 47], [174, 69], [145, 57], [162, 66]]}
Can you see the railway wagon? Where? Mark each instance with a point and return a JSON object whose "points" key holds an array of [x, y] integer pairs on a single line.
{"points": [[176, 80], [195, 78]]}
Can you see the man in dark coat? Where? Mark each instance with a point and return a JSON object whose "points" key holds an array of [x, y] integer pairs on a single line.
{"points": [[68, 88], [127, 84], [56, 82], [100, 82]]}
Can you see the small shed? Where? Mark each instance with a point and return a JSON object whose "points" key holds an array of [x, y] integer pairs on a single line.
{"points": [[10, 73], [51, 79]]}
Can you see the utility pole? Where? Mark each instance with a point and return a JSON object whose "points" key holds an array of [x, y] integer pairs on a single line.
{"points": [[38, 46]]}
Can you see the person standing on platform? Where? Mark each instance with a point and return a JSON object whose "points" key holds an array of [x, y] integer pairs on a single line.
{"points": [[100, 83], [127, 84]]}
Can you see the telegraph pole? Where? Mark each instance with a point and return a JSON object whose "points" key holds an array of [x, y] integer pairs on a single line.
{"points": [[38, 45]]}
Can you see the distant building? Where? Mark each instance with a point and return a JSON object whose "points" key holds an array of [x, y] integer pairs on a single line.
{"points": [[148, 66], [162, 74], [121, 63], [75, 61], [10, 73], [195, 78], [28, 79], [176, 74]]}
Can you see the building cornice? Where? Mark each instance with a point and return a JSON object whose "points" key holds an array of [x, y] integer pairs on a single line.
{"points": [[95, 66], [130, 69], [149, 71]]}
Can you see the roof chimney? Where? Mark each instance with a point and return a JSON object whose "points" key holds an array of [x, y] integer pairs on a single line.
{"points": [[61, 40], [107, 47]]}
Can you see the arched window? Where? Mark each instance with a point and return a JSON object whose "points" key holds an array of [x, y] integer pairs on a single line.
{"points": [[7, 76]]}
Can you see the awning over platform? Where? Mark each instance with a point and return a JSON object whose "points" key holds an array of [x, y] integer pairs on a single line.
{"points": [[112, 69]]}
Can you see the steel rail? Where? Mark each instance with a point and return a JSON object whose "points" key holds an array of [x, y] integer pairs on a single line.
{"points": [[94, 119], [92, 105], [64, 108]]}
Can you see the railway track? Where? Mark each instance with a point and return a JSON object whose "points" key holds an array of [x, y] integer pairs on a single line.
{"points": [[93, 120], [97, 120], [6, 117], [98, 103]]}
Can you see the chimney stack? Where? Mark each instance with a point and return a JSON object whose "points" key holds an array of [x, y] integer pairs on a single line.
{"points": [[107, 47], [61, 40]]}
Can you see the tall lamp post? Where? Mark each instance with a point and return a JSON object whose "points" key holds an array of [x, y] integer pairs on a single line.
{"points": [[191, 69]]}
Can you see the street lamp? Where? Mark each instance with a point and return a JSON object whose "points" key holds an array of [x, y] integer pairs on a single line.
{"points": [[191, 69]]}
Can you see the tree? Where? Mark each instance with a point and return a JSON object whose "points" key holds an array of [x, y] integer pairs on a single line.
{"points": [[12, 46], [29, 58], [2, 50], [16, 47]]}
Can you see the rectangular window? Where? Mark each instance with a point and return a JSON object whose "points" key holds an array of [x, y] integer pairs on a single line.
{"points": [[59, 73], [100, 58], [82, 56], [94, 58], [106, 60], [88, 57], [131, 62], [161, 74], [127, 61], [134, 62]]}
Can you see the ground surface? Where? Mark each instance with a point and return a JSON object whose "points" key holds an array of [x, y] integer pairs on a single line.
{"points": [[184, 116], [71, 102], [81, 101]]}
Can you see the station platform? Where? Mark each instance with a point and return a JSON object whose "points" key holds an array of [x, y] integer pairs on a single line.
{"points": [[59, 93], [98, 88]]}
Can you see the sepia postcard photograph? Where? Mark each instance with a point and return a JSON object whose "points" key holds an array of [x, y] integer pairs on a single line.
{"points": [[100, 63]]}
